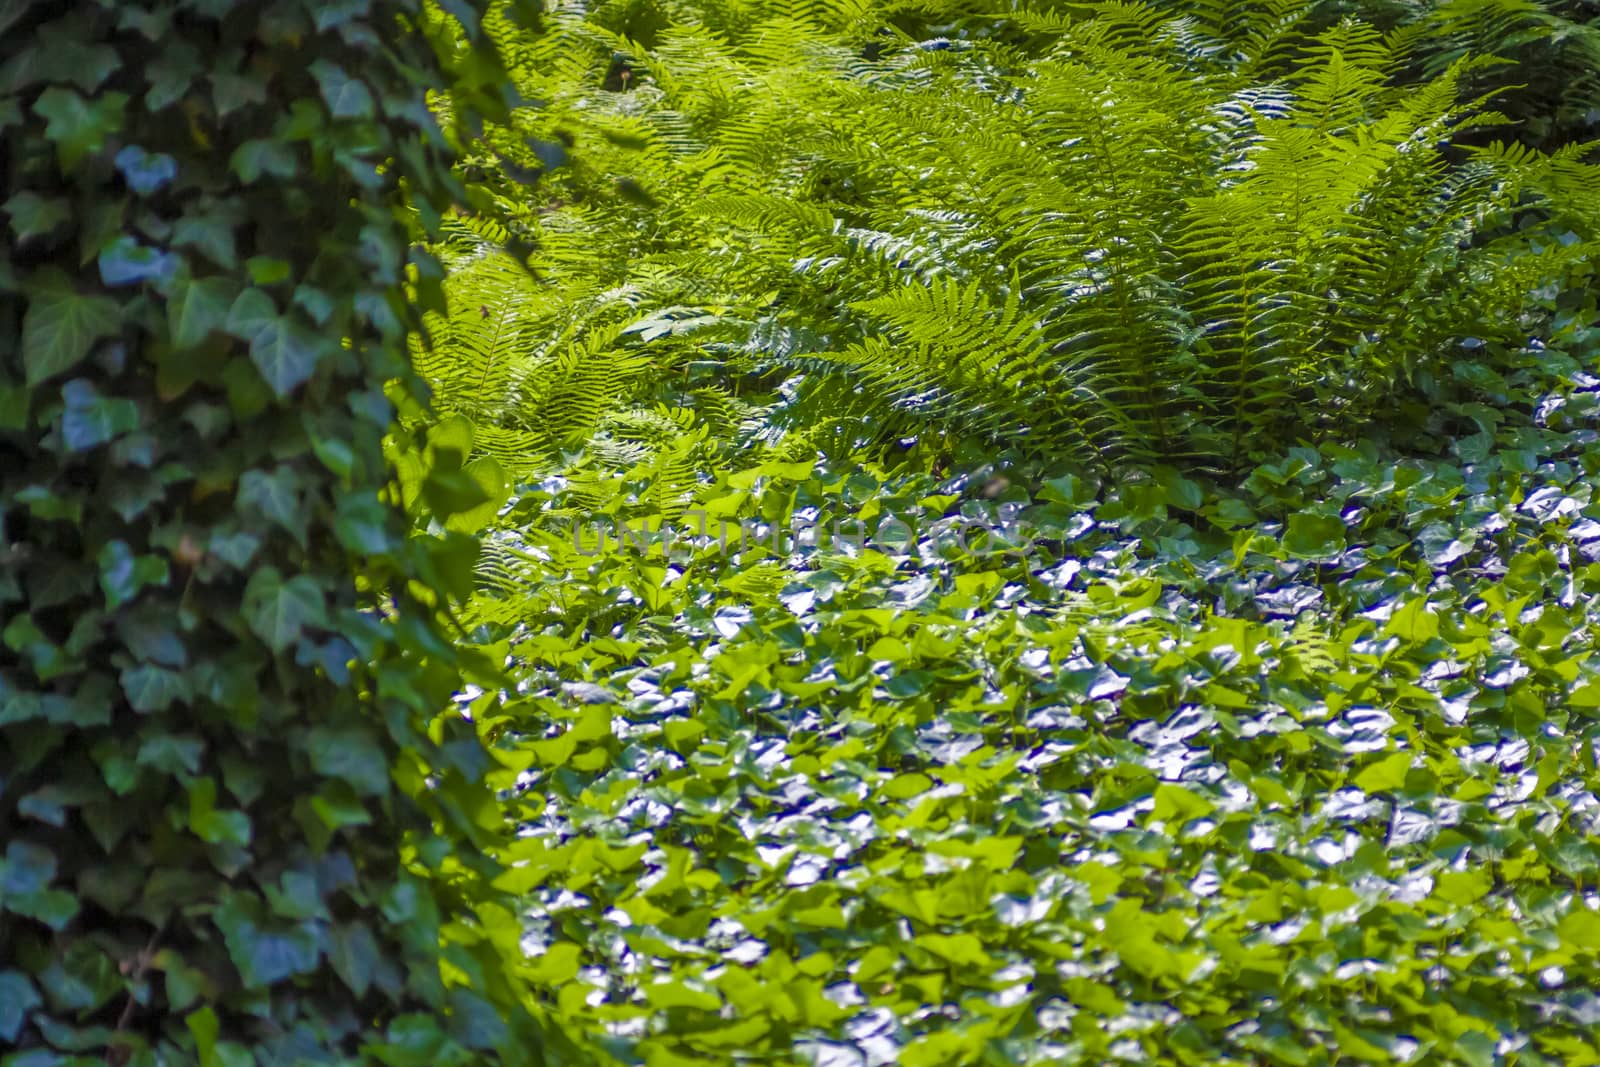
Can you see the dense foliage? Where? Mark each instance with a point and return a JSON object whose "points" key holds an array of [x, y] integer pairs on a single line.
{"points": [[952, 531], [1118, 236], [235, 829], [1214, 386]]}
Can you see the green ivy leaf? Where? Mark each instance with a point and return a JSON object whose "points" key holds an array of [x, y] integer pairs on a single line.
{"points": [[33, 215], [252, 314], [59, 51], [279, 612], [206, 822], [212, 235], [171, 754], [352, 756], [79, 126], [354, 953], [1386, 775], [287, 355], [276, 496], [1313, 536], [1174, 803], [170, 74], [197, 309], [205, 1027], [254, 160], [123, 574], [346, 97], [151, 689], [264, 953], [62, 325]]}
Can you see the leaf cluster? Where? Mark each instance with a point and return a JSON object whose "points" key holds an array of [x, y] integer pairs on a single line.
{"points": [[236, 829]]}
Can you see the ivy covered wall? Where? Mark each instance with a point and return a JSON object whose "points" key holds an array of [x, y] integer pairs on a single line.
{"points": [[234, 830]]}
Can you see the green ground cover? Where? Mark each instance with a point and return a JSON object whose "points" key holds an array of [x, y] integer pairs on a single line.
{"points": [[1253, 716]]}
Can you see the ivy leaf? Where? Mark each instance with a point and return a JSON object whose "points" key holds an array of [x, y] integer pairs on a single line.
{"points": [[62, 325], [18, 998], [150, 689], [171, 73], [205, 1027], [145, 172], [231, 91], [255, 159], [26, 869], [346, 97], [352, 756], [277, 611], [123, 574], [125, 261], [60, 52], [78, 126], [1175, 803], [212, 235], [264, 953], [207, 823], [1313, 536], [1386, 775], [89, 419], [236, 549], [252, 314], [362, 525], [354, 953], [286, 354], [197, 309], [33, 215], [276, 496]]}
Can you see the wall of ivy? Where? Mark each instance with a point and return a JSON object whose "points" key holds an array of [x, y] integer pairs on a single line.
{"points": [[234, 830]]}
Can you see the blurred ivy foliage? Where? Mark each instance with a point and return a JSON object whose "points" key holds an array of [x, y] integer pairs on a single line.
{"points": [[234, 830]]}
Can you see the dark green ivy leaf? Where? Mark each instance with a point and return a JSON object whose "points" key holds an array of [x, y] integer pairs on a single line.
{"points": [[264, 953], [286, 354], [79, 126], [171, 73], [62, 325], [33, 215], [59, 52], [253, 159], [153, 689], [172, 754], [123, 574], [278, 611], [252, 314], [1313, 536], [352, 756], [346, 97], [276, 496], [197, 309], [209, 234], [354, 953]]}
